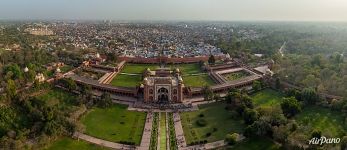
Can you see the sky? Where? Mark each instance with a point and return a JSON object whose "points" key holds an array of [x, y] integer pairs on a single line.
{"points": [[176, 10]]}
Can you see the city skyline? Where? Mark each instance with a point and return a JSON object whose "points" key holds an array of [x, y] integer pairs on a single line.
{"points": [[168, 10]]}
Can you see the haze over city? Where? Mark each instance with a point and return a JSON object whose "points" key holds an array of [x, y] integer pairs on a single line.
{"points": [[207, 10]]}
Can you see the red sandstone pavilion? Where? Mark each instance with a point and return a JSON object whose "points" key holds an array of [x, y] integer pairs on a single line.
{"points": [[165, 85]]}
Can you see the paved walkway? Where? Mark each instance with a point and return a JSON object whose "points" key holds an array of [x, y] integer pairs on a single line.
{"points": [[212, 145], [146, 136], [181, 141], [102, 142]]}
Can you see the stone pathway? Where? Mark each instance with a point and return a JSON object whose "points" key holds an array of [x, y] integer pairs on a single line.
{"points": [[146, 136], [102, 142], [181, 141]]}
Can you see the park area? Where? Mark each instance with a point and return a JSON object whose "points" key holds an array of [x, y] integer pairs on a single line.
{"points": [[57, 97], [115, 124], [66, 143], [267, 98], [330, 123], [235, 75], [212, 122]]}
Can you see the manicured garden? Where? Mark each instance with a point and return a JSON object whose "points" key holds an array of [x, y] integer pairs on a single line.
{"points": [[187, 69], [71, 144], [124, 80], [267, 97], [210, 123], [330, 123], [235, 75], [138, 68], [172, 133], [163, 131], [198, 80], [154, 133], [115, 124]]}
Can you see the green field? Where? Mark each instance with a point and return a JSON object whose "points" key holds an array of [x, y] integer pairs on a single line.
{"points": [[71, 144], [127, 80], [138, 68], [163, 131], [216, 116], [331, 123], [58, 97], [187, 69], [197, 80], [258, 143], [115, 124], [235, 75], [267, 97]]}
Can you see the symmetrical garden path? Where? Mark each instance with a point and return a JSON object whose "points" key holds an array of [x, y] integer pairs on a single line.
{"points": [[146, 136], [181, 141], [102, 142]]}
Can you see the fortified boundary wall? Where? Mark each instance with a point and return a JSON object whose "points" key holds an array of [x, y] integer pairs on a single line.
{"points": [[167, 59]]}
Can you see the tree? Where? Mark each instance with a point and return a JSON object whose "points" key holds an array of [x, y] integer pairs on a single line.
{"points": [[290, 106], [344, 143], [105, 100], [250, 116], [231, 138], [14, 68], [316, 133], [211, 60], [309, 96], [256, 86], [11, 89], [278, 83], [208, 93], [258, 128]]}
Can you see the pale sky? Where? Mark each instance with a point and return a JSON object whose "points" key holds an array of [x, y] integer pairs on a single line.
{"points": [[215, 10]]}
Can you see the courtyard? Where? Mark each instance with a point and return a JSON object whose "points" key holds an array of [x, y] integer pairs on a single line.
{"points": [[235, 75], [124, 80], [198, 80], [115, 124]]}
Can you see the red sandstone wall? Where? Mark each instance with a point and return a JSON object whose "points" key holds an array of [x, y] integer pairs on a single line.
{"points": [[166, 59]]}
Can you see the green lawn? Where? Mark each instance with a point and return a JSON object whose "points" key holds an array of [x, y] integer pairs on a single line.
{"points": [[216, 117], [71, 144], [235, 75], [267, 97], [257, 143], [127, 80], [138, 68], [162, 131], [57, 96], [187, 69], [66, 68], [115, 124], [198, 80], [331, 123]]}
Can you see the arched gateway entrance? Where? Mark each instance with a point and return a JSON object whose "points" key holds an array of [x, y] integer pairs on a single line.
{"points": [[163, 95]]}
